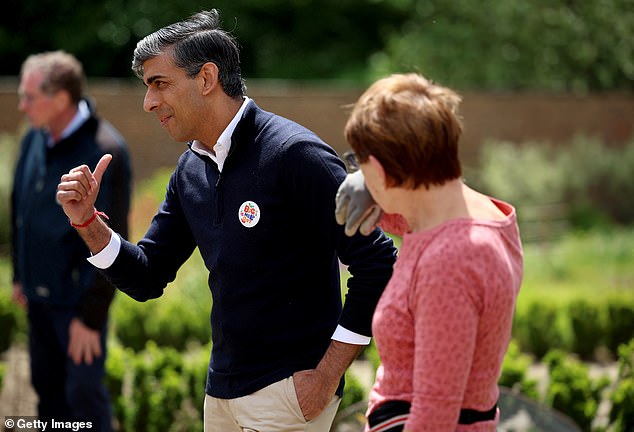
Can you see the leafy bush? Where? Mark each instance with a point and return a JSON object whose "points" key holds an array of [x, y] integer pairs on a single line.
{"points": [[3, 370], [157, 388], [353, 392], [620, 321], [118, 362], [587, 325], [515, 372], [571, 390], [580, 325], [599, 182], [591, 181], [163, 320], [8, 321], [371, 353], [539, 329], [12, 321], [622, 411]]}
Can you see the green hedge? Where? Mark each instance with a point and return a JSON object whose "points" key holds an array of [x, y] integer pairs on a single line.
{"points": [[515, 372], [157, 389], [586, 327], [571, 390], [176, 319], [162, 389], [622, 398], [12, 321], [173, 323]]}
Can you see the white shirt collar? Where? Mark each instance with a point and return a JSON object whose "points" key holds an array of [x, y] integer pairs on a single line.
{"points": [[223, 145]]}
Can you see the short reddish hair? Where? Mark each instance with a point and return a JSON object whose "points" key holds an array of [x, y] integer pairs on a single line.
{"points": [[411, 126]]}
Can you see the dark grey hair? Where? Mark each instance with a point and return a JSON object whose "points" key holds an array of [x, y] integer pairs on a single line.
{"points": [[194, 42]]}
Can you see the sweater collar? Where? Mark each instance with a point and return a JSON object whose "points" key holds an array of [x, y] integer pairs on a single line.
{"points": [[223, 145]]}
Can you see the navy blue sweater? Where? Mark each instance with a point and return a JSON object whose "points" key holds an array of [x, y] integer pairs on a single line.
{"points": [[275, 284], [49, 257]]}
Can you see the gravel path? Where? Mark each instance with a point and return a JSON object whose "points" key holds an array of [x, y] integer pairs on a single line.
{"points": [[17, 397]]}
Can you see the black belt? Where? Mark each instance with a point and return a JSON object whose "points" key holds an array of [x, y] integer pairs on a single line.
{"points": [[390, 409], [469, 416]]}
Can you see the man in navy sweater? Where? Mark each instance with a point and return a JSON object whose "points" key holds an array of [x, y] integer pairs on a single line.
{"points": [[256, 194], [66, 298]]}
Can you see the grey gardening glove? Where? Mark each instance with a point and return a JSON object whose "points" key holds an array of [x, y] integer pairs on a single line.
{"points": [[355, 207]]}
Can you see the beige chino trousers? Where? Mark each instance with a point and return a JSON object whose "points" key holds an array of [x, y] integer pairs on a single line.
{"points": [[274, 408]]}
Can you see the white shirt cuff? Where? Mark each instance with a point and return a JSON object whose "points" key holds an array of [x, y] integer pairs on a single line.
{"points": [[107, 255], [346, 336]]}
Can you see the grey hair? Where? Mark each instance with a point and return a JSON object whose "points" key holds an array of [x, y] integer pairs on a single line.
{"points": [[194, 42], [60, 71]]}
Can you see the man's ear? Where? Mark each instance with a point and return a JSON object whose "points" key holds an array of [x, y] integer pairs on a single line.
{"points": [[209, 75], [61, 100]]}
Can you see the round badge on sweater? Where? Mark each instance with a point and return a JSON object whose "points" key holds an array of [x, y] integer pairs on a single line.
{"points": [[249, 214]]}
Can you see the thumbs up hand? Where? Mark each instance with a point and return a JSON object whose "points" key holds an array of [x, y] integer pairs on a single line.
{"points": [[78, 190]]}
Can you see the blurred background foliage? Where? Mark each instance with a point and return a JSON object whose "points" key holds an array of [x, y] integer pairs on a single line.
{"points": [[556, 45]]}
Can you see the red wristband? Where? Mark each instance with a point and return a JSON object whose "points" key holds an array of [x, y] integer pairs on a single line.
{"points": [[92, 218]]}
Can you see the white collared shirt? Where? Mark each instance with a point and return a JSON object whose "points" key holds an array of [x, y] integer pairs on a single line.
{"points": [[82, 114], [223, 145]]}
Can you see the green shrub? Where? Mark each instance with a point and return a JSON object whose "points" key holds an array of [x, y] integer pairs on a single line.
{"points": [[514, 372], [353, 392], [371, 353], [537, 182], [620, 321], [584, 326], [587, 327], [128, 321], [537, 328], [592, 269], [622, 411], [118, 369], [593, 181], [3, 370], [177, 318], [158, 388], [8, 319], [599, 179], [571, 390]]}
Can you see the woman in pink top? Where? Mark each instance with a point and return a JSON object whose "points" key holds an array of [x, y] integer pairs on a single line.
{"points": [[443, 323]]}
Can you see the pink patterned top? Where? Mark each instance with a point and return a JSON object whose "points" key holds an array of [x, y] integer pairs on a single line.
{"points": [[443, 323]]}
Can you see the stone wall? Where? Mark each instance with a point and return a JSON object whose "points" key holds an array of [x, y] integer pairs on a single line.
{"points": [[506, 116]]}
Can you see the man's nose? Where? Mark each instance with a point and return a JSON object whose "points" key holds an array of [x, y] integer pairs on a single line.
{"points": [[150, 102], [22, 104]]}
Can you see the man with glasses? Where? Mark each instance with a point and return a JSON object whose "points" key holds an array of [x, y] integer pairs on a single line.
{"points": [[66, 299]]}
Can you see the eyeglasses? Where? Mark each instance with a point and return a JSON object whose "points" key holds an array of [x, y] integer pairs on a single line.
{"points": [[352, 163], [30, 98]]}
